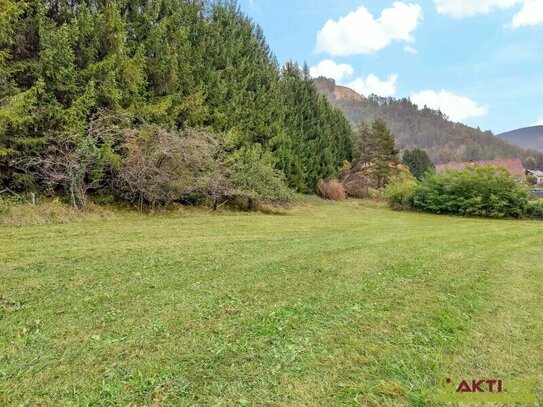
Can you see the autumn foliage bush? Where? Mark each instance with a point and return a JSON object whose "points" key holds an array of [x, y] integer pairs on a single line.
{"points": [[333, 190]]}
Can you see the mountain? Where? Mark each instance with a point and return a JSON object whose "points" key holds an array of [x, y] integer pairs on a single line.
{"points": [[528, 137], [424, 128]]}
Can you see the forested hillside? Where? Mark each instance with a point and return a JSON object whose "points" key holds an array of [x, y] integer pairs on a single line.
{"points": [[425, 128], [92, 93]]}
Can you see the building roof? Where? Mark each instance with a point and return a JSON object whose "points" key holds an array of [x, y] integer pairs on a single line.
{"points": [[536, 173], [514, 165]]}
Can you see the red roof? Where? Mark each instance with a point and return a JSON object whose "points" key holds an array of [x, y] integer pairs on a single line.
{"points": [[514, 165]]}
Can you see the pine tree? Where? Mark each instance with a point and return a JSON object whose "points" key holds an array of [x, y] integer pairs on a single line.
{"points": [[376, 147], [384, 151]]}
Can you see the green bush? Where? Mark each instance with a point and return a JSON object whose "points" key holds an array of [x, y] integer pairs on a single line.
{"points": [[4, 207], [400, 195], [475, 191], [534, 209], [255, 178]]}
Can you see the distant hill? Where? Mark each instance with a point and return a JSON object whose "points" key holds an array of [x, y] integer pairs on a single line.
{"points": [[528, 137], [424, 128]]}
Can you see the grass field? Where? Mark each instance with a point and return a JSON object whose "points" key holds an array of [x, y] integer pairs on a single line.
{"points": [[332, 304]]}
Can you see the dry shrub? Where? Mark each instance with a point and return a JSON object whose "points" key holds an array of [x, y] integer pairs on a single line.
{"points": [[162, 166], [357, 185], [333, 190], [362, 182]]}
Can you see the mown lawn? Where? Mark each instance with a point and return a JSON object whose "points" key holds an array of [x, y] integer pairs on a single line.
{"points": [[332, 304]]}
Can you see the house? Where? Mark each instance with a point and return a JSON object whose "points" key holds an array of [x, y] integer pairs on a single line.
{"points": [[537, 174], [514, 165]]}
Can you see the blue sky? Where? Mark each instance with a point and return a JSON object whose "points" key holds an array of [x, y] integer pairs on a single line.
{"points": [[480, 61]]}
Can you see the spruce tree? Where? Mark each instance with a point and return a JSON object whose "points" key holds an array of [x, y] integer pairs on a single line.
{"points": [[174, 63]]}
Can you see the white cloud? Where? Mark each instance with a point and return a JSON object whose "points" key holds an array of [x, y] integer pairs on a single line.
{"points": [[372, 84], [410, 50], [457, 107], [530, 14], [538, 122], [330, 69], [468, 8], [360, 33]]}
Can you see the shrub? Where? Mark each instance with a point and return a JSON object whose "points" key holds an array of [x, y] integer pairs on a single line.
{"points": [[532, 180], [401, 173], [400, 195], [534, 209], [4, 207], [361, 181], [72, 164], [474, 191], [162, 166], [254, 177], [333, 190], [357, 182]]}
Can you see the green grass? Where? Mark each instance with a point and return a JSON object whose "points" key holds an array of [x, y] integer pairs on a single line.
{"points": [[332, 304]]}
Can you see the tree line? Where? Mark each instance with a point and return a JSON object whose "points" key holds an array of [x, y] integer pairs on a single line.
{"points": [[154, 101]]}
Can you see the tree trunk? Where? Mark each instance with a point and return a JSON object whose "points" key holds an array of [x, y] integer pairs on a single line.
{"points": [[82, 198], [72, 195]]}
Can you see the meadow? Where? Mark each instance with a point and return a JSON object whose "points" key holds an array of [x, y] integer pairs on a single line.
{"points": [[324, 304]]}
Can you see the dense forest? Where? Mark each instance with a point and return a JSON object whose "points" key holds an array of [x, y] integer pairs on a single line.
{"points": [[425, 128], [155, 101]]}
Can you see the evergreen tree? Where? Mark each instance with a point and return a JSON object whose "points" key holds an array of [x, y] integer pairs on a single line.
{"points": [[363, 151], [384, 151], [174, 63], [418, 162], [375, 146]]}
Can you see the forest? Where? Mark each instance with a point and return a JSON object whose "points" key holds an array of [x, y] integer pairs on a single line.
{"points": [[156, 101], [424, 128]]}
